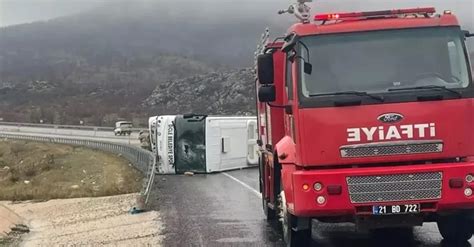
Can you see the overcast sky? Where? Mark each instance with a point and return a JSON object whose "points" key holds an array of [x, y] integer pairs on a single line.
{"points": [[23, 11]]}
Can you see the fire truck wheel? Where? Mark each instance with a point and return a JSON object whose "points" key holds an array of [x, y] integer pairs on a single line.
{"points": [[292, 237], [455, 228]]}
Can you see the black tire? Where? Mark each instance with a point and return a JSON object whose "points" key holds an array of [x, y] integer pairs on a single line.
{"points": [[294, 238], [455, 228]]}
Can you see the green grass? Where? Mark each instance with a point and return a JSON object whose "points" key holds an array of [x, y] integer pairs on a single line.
{"points": [[43, 171]]}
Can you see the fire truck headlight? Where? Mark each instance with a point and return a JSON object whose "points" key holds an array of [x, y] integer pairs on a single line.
{"points": [[321, 200], [318, 186], [468, 192]]}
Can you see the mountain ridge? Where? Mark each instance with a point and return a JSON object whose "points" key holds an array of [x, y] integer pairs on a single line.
{"points": [[114, 61]]}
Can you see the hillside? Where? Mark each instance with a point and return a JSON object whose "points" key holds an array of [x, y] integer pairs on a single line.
{"points": [[98, 95], [122, 59], [98, 66], [218, 93]]}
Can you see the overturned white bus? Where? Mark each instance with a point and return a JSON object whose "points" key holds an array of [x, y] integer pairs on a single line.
{"points": [[204, 144]]}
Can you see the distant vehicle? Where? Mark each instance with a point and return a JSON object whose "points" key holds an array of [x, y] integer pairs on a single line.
{"points": [[123, 128]]}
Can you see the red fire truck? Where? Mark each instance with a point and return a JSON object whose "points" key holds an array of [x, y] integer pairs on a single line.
{"points": [[367, 118]]}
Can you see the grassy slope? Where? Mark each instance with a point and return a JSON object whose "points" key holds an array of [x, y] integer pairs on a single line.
{"points": [[60, 171]]}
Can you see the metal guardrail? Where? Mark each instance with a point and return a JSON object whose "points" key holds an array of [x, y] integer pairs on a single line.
{"points": [[56, 126], [141, 159]]}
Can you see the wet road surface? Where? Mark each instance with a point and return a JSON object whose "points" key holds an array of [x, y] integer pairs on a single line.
{"points": [[224, 210]]}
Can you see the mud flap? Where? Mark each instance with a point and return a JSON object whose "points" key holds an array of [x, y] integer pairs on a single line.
{"points": [[301, 223]]}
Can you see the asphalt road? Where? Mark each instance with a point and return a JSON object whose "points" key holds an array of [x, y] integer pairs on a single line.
{"points": [[225, 210]]}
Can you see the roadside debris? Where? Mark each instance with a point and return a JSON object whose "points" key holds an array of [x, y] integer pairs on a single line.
{"points": [[11, 226], [20, 228], [135, 210], [189, 173], [144, 137], [140, 205]]}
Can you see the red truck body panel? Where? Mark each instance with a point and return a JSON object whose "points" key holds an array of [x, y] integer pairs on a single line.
{"points": [[319, 145], [308, 141], [303, 203], [373, 25]]}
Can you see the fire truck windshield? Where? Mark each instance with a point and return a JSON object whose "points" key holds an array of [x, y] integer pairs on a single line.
{"points": [[381, 61]]}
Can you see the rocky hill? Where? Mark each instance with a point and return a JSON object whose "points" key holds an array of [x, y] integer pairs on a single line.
{"points": [[220, 93], [100, 65], [127, 59], [97, 95]]}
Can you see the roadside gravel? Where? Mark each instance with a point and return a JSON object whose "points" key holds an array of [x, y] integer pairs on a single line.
{"points": [[102, 221]]}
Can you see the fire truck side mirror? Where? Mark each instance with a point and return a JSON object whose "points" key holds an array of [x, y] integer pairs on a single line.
{"points": [[265, 68], [266, 93]]}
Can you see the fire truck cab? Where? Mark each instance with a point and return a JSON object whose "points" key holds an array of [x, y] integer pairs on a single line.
{"points": [[367, 118]]}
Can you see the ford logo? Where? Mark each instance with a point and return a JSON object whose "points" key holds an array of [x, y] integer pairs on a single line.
{"points": [[390, 118]]}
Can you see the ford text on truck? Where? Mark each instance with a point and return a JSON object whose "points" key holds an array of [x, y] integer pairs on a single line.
{"points": [[367, 118]]}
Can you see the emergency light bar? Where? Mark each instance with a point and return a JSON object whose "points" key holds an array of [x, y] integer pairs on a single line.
{"points": [[383, 13]]}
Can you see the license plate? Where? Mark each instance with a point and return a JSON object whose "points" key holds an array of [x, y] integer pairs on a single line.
{"points": [[396, 209]]}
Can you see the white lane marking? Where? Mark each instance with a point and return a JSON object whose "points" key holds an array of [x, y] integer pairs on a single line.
{"points": [[256, 192]]}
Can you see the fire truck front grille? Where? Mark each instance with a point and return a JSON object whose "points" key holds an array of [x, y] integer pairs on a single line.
{"points": [[391, 148], [399, 187]]}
